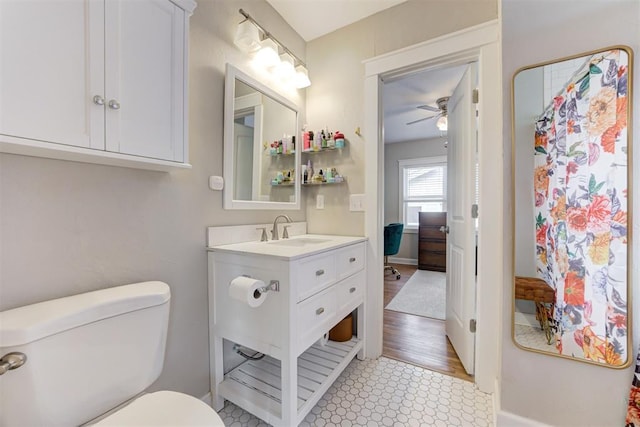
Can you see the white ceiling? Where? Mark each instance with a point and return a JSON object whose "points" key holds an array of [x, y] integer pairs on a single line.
{"points": [[314, 18], [402, 96]]}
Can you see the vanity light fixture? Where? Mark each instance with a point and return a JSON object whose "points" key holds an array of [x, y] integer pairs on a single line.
{"points": [[285, 65], [268, 56], [247, 37], [442, 124]]}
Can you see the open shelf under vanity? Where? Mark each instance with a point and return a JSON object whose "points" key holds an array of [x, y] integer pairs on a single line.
{"points": [[255, 385]]}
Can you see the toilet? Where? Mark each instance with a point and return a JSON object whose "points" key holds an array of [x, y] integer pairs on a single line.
{"points": [[89, 358]]}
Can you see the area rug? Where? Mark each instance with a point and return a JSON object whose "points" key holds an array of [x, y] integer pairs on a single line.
{"points": [[424, 294]]}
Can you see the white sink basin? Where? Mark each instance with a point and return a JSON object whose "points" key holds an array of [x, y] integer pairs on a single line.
{"points": [[303, 241]]}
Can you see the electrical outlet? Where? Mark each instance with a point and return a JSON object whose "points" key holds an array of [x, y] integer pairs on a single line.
{"points": [[356, 203], [319, 201]]}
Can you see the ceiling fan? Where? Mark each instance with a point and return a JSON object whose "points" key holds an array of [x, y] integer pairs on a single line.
{"points": [[441, 109]]}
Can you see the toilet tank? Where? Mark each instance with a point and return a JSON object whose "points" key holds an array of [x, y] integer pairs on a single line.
{"points": [[86, 354]]}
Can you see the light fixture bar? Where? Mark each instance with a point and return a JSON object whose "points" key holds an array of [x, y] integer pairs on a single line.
{"points": [[269, 35]]}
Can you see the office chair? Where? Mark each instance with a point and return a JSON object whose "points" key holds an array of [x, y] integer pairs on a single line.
{"points": [[392, 237]]}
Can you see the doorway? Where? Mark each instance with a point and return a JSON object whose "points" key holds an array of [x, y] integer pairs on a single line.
{"points": [[479, 44], [416, 124]]}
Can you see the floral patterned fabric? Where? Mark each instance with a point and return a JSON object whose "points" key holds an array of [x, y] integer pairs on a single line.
{"points": [[633, 409], [580, 189]]}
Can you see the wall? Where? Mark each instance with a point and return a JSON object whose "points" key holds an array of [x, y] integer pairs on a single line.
{"points": [[68, 227], [566, 393], [337, 90], [401, 151]]}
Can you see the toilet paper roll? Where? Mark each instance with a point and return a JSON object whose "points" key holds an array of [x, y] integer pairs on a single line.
{"points": [[246, 290]]}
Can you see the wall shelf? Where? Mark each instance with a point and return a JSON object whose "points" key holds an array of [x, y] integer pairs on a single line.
{"points": [[256, 386], [311, 184]]}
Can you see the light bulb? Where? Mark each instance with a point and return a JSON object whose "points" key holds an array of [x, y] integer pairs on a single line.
{"points": [[267, 56], [442, 123], [302, 77], [247, 37], [285, 69]]}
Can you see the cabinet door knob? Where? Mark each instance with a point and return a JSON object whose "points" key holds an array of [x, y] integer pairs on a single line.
{"points": [[352, 290], [98, 100], [320, 311], [352, 259], [319, 272], [114, 105]]}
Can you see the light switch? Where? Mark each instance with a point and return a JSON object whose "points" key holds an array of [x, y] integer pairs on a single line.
{"points": [[356, 202], [319, 201]]}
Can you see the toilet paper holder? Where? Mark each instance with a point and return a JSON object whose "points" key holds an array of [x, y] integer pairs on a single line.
{"points": [[274, 285]]}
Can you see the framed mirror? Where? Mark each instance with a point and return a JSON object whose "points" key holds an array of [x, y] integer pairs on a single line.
{"points": [[260, 155], [571, 165]]}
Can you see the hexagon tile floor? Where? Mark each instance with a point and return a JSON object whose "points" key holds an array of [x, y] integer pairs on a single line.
{"points": [[386, 392]]}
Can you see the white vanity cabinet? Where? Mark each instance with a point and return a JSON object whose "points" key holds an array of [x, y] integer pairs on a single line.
{"points": [[317, 288], [101, 81]]}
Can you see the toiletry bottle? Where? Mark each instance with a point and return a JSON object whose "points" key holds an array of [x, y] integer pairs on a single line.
{"points": [[309, 171], [339, 138]]}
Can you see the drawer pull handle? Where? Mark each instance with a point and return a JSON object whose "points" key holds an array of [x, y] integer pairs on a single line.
{"points": [[320, 311], [319, 272], [352, 259], [352, 290]]}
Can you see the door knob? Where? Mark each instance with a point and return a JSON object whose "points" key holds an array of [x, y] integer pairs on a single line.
{"points": [[444, 229], [114, 105]]}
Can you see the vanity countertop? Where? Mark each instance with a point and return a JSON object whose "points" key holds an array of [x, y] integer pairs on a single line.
{"points": [[292, 248]]}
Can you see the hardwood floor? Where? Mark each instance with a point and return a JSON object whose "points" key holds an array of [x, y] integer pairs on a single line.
{"points": [[414, 339]]}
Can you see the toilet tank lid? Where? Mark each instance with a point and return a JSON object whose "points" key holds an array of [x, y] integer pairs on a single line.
{"points": [[20, 326]]}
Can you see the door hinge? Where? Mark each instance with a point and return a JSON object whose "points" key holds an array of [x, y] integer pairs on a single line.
{"points": [[474, 210], [475, 96], [472, 326]]}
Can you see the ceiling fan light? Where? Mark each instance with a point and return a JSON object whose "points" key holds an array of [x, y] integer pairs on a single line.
{"points": [[247, 37], [442, 124]]}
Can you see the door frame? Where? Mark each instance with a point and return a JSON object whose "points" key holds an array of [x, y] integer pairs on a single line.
{"points": [[481, 44]]}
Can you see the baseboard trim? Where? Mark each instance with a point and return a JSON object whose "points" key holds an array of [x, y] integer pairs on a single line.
{"points": [[404, 261], [507, 419], [495, 397], [207, 399]]}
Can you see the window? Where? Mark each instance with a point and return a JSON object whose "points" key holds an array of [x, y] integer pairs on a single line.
{"points": [[423, 188]]}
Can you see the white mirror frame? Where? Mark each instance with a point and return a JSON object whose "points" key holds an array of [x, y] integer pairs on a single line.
{"points": [[233, 74]]}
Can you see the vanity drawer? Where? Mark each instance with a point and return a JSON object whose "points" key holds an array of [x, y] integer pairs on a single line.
{"points": [[349, 260], [315, 317], [350, 293], [314, 274]]}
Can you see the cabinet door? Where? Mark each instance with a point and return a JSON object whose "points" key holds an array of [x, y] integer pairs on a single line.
{"points": [[145, 87], [51, 67]]}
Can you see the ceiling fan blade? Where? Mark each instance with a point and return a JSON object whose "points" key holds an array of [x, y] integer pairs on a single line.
{"points": [[428, 108], [421, 120], [425, 118]]}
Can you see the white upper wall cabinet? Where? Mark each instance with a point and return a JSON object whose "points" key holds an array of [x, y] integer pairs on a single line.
{"points": [[100, 81]]}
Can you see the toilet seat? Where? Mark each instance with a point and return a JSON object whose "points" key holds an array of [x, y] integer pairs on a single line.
{"points": [[164, 408]]}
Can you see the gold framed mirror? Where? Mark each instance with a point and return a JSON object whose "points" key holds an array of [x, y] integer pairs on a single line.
{"points": [[571, 151]]}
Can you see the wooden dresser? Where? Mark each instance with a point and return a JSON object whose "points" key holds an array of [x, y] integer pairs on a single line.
{"points": [[432, 243]]}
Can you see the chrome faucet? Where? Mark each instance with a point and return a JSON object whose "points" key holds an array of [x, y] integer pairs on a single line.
{"points": [[274, 231]]}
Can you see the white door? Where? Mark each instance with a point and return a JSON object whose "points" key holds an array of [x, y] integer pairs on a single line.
{"points": [[461, 242], [51, 68], [145, 78]]}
